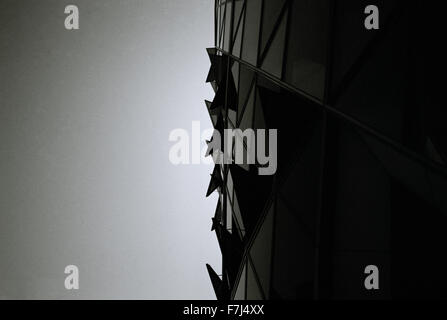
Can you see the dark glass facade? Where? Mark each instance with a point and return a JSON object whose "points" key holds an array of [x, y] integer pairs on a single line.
{"points": [[362, 150]]}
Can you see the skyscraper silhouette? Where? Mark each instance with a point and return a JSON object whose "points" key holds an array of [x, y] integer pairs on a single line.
{"points": [[362, 150]]}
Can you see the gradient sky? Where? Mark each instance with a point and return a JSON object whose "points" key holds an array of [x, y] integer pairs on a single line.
{"points": [[85, 177]]}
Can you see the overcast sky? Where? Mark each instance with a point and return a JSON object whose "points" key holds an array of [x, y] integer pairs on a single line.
{"points": [[85, 176]]}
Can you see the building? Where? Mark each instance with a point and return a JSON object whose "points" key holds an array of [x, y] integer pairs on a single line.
{"points": [[362, 150]]}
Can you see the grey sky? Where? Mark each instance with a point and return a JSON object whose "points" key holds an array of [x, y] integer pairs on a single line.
{"points": [[85, 177]]}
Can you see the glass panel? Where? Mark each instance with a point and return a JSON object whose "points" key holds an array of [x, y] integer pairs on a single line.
{"points": [[273, 60], [352, 41], [261, 251], [240, 142], [238, 39], [301, 185], [418, 226], [306, 54], [235, 71], [402, 168], [230, 185], [229, 217], [232, 116], [231, 125], [362, 203], [238, 216], [293, 130], [247, 117], [259, 114], [240, 291], [245, 83], [384, 197], [217, 25], [253, 292], [221, 199], [294, 257], [272, 9], [221, 24], [251, 31], [237, 14], [227, 34], [388, 101]]}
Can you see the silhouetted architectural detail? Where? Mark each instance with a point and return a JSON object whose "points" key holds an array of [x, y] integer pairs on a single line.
{"points": [[362, 150], [216, 180], [220, 288]]}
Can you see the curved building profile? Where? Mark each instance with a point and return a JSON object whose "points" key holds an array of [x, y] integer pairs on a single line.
{"points": [[361, 174]]}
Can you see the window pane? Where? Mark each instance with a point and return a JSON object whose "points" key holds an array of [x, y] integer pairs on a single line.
{"points": [[237, 14], [261, 251], [251, 32], [227, 34], [238, 216], [253, 292], [230, 186], [240, 291], [245, 83], [272, 9], [306, 55], [229, 220], [273, 60], [294, 256]]}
